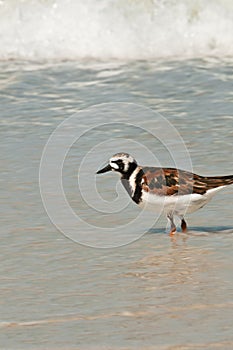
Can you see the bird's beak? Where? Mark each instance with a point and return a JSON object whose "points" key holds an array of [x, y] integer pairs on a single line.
{"points": [[104, 170]]}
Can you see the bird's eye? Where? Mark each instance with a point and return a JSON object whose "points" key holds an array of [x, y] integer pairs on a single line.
{"points": [[119, 161]]}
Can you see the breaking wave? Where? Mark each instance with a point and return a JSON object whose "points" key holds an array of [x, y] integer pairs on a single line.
{"points": [[115, 29]]}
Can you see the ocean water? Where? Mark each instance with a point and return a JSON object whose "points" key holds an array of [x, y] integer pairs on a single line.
{"points": [[113, 279]]}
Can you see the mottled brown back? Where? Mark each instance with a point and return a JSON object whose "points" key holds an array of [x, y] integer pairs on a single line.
{"points": [[170, 181]]}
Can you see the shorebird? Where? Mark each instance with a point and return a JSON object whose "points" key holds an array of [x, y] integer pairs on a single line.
{"points": [[175, 191]]}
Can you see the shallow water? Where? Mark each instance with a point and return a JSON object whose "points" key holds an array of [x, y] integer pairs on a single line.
{"points": [[154, 293]]}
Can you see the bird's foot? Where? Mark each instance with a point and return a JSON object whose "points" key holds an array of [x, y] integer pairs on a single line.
{"points": [[172, 231]]}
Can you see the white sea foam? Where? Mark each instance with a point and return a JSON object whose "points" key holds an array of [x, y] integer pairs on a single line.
{"points": [[121, 29]]}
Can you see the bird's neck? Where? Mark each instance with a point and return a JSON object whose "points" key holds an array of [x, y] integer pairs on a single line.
{"points": [[126, 175], [133, 184]]}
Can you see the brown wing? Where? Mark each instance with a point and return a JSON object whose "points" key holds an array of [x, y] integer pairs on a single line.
{"points": [[170, 181]]}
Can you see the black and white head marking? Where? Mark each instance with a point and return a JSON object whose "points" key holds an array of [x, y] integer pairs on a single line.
{"points": [[123, 163]]}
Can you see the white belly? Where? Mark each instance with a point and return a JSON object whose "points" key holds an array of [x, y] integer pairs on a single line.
{"points": [[179, 205]]}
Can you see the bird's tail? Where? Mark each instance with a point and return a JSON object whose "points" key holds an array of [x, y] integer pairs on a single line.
{"points": [[217, 181]]}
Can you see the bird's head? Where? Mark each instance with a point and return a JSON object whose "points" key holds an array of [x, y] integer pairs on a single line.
{"points": [[123, 163]]}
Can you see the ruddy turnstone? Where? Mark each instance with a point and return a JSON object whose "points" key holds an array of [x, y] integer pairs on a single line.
{"points": [[177, 191]]}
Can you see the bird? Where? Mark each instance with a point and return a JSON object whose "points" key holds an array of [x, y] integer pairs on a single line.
{"points": [[174, 191]]}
